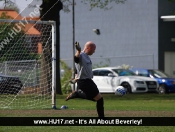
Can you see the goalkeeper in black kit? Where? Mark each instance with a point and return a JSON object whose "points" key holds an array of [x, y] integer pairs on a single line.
{"points": [[84, 77]]}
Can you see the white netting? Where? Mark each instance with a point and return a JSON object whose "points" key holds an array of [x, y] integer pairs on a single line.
{"points": [[26, 64]]}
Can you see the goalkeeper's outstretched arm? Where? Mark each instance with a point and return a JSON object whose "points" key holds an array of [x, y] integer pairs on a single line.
{"points": [[77, 54]]}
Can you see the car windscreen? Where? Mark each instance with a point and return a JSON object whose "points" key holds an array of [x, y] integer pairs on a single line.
{"points": [[158, 74], [124, 72]]}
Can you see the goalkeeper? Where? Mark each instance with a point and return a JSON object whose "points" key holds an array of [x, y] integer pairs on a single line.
{"points": [[84, 77]]}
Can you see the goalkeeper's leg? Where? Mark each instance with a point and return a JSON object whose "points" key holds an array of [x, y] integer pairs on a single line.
{"points": [[76, 94], [100, 107], [92, 93]]}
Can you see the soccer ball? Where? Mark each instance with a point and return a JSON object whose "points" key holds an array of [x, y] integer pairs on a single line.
{"points": [[120, 91]]}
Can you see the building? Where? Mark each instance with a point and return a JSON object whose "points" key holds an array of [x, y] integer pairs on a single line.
{"points": [[132, 33], [166, 37]]}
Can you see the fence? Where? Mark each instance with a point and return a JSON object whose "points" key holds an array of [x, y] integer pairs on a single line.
{"points": [[22, 69], [138, 61]]}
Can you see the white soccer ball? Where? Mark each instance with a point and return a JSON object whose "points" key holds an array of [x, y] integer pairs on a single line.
{"points": [[120, 91]]}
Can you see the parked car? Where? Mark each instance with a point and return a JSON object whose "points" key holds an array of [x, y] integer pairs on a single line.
{"points": [[108, 78], [10, 84], [166, 83]]}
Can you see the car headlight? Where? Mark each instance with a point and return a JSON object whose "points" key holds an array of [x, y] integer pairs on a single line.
{"points": [[139, 82], [163, 80]]}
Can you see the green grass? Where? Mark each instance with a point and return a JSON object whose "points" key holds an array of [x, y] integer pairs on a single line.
{"points": [[114, 106], [88, 129], [132, 102]]}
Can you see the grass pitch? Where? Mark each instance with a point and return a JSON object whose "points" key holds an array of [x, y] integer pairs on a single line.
{"points": [[134, 105]]}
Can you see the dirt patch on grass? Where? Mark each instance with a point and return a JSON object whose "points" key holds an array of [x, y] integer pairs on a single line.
{"points": [[83, 113]]}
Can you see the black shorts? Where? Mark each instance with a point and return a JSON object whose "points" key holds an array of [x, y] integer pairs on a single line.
{"points": [[88, 87]]}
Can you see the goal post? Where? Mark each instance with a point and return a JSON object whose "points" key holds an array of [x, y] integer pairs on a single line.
{"points": [[54, 65], [27, 64]]}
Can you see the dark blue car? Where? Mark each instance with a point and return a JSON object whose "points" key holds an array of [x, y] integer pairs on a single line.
{"points": [[166, 83], [10, 84]]}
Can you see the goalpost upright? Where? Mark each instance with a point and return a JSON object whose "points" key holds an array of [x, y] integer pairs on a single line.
{"points": [[54, 65]]}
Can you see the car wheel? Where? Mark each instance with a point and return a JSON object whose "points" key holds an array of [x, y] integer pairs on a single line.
{"points": [[127, 87], [162, 89]]}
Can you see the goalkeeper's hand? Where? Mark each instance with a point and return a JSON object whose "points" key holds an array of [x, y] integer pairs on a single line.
{"points": [[77, 46]]}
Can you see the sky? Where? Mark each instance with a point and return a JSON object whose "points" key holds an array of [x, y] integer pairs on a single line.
{"points": [[23, 5]]}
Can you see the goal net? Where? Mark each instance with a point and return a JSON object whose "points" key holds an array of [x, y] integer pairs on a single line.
{"points": [[27, 64]]}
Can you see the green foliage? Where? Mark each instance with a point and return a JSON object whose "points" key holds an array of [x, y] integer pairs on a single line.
{"points": [[9, 4], [65, 85], [101, 4], [124, 66], [102, 64]]}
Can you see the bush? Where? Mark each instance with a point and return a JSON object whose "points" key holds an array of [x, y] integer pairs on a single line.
{"points": [[66, 76]]}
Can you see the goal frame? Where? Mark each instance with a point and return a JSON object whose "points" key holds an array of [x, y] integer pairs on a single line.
{"points": [[53, 25]]}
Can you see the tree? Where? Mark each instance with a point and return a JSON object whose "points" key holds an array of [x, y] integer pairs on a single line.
{"points": [[8, 4], [103, 4], [50, 11]]}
